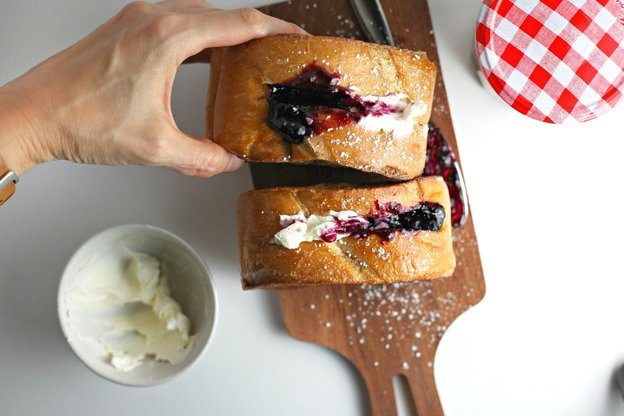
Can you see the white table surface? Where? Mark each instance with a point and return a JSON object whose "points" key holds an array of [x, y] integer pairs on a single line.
{"points": [[546, 202]]}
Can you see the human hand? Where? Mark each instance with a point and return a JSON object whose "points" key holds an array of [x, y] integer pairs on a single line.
{"points": [[107, 99]]}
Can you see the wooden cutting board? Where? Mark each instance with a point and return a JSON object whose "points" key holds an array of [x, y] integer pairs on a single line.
{"points": [[384, 330]]}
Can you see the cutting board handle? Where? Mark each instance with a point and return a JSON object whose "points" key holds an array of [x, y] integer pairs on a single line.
{"points": [[421, 390], [381, 396], [424, 393]]}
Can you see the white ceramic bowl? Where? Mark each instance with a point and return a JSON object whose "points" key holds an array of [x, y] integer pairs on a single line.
{"points": [[190, 282]]}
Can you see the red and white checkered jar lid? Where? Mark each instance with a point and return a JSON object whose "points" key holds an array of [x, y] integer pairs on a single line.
{"points": [[554, 60]]}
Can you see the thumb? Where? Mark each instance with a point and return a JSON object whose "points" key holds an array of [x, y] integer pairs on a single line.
{"points": [[198, 157]]}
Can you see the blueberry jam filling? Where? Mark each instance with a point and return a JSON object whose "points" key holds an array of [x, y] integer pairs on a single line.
{"points": [[313, 102], [390, 220], [441, 161]]}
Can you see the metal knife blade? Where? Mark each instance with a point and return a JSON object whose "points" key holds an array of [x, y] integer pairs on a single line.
{"points": [[373, 21]]}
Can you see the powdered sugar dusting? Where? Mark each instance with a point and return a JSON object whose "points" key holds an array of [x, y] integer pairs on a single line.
{"points": [[402, 322]]}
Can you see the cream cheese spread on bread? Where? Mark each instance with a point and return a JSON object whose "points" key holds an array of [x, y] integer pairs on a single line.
{"points": [[298, 228], [393, 112]]}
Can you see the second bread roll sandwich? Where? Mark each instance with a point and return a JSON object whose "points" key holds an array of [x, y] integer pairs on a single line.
{"points": [[336, 235], [315, 99]]}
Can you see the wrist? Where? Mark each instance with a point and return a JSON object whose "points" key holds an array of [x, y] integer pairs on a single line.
{"points": [[21, 147]]}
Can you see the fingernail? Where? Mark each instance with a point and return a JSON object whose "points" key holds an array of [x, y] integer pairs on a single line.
{"points": [[234, 164]]}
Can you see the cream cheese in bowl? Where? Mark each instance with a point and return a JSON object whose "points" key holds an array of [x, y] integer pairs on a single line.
{"points": [[136, 304], [124, 304]]}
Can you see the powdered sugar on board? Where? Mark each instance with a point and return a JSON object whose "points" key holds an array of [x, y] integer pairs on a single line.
{"points": [[344, 26], [405, 320]]}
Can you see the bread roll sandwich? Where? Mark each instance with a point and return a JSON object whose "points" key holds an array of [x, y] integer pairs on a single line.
{"points": [[342, 235], [317, 99]]}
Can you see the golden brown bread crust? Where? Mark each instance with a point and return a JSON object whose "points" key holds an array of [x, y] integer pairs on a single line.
{"points": [[426, 255], [237, 105]]}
